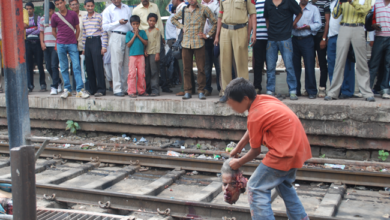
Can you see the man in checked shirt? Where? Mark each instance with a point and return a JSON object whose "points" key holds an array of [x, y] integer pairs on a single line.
{"points": [[195, 16], [95, 46]]}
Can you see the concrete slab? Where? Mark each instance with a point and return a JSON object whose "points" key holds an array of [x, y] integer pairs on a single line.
{"points": [[128, 186], [111, 179], [310, 204], [355, 209], [159, 185], [86, 177], [181, 192]]}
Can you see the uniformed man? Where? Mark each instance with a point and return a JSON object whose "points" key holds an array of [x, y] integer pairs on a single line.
{"points": [[234, 37]]}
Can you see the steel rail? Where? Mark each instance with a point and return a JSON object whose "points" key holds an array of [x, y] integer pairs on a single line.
{"points": [[375, 179], [182, 209]]}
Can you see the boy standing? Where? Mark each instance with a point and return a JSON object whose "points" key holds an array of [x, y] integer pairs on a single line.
{"points": [[136, 40], [270, 123], [152, 54]]}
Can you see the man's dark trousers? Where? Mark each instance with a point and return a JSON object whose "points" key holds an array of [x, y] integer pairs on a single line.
{"points": [[34, 54], [304, 47], [51, 60], [210, 60], [259, 52], [94, 65], [321, 54]]}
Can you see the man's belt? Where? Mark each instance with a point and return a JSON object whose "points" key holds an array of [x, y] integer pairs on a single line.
{"points": [[92, 37], [119, 32], [302, 37], [233, 27], [352, 25]]}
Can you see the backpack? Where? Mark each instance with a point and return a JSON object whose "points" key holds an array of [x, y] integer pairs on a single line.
{"points": [[176, 47]]}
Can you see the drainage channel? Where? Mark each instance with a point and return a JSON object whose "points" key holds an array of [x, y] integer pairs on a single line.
{"points": [[182, 194]]}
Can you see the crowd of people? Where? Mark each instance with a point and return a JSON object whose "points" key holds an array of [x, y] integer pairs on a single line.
{"points": [[127, 47]]}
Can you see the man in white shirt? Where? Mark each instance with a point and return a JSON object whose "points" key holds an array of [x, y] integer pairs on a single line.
{"points": [[348, 86], [116, 19]]}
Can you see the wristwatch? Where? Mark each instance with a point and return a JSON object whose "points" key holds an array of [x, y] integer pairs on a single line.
{"points": [[324, 39], [208, 36]]}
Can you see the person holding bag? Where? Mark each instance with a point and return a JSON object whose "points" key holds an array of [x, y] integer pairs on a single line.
{"points": [[67, 23]]}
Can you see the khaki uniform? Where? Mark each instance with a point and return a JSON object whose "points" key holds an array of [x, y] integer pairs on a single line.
{"points": [[234, 42]]}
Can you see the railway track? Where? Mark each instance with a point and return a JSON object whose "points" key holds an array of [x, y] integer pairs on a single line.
{"points": [[126, 185], [172, 193]]}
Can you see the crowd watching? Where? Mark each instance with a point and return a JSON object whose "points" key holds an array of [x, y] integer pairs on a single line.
{"points": [[128, 49]]}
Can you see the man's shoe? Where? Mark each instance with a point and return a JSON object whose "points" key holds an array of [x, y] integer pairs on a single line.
{"points": [[59, 89], [30, 89], [82, 94], [270, 93], [223, 99], [329, 98], [258, 91], [322, 92], [53, 91], [342, 96], [187, 96], [43, 88], [202, 96], [305, 93], [312, 96], [220, 93], [358, 95], [66, 94], [180, 94], [371, 99], [120, 94], [385, 96], [206, 92], [167, 90], [110, 89], [99, 94], [293, 96]]}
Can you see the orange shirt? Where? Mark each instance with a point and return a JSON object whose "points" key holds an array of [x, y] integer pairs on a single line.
{"points": [[273, 124]]}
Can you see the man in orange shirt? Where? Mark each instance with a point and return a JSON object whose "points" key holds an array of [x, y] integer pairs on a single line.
{"points": [[273, 124]]}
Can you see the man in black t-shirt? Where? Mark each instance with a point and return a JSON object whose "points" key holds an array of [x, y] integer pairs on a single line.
{"points": [[279, 18]]}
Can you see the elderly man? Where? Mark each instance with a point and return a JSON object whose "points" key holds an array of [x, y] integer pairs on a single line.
{"points": [[116, 19], [303, 46], [270, 123], [195, 16], [351, 32]]}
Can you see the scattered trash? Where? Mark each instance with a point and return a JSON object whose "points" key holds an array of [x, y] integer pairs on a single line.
{"points": [[135, 140], [124, 135], [127, 138], [229, 149], [86, 146], [334, 166], [150, 151], [387, 189], [177, 144], [114, 139], [172, 197], [142, 140], [297, 184], [218, 175], [386, 216], [183, 147], [66, 145], [360, 187], [202, 156], [173, 153], [8, 187], [243, 149], [217, 156], [195, 172], [170, 190], [335, 187], [231, 145], [383, 170]]}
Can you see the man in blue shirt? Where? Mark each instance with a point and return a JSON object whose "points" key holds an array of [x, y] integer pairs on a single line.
{"points": [[303, 46]]}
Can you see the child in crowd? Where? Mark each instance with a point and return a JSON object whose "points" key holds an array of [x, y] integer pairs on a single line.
{"points": [[152, 54], [137, 41]]}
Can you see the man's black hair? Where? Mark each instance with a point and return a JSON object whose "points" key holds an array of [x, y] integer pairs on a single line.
{"points": [[59, 0], [86, 1], [73, 1], [135, 18], [239, 88], [29, 4], [152, 15], [173, 9], [51, 6]]}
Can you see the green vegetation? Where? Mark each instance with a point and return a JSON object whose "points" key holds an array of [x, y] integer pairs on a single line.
{"points": [[72, 126], [322, 156], [383, 155]]}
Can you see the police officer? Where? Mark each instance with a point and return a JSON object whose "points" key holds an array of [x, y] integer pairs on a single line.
{"points": [[234, 37]]}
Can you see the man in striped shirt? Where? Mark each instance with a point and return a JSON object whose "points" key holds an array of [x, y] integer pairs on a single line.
{"points": [[381, 47], [351, 31], [260, 47], [48, 43], [94, 47]]}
